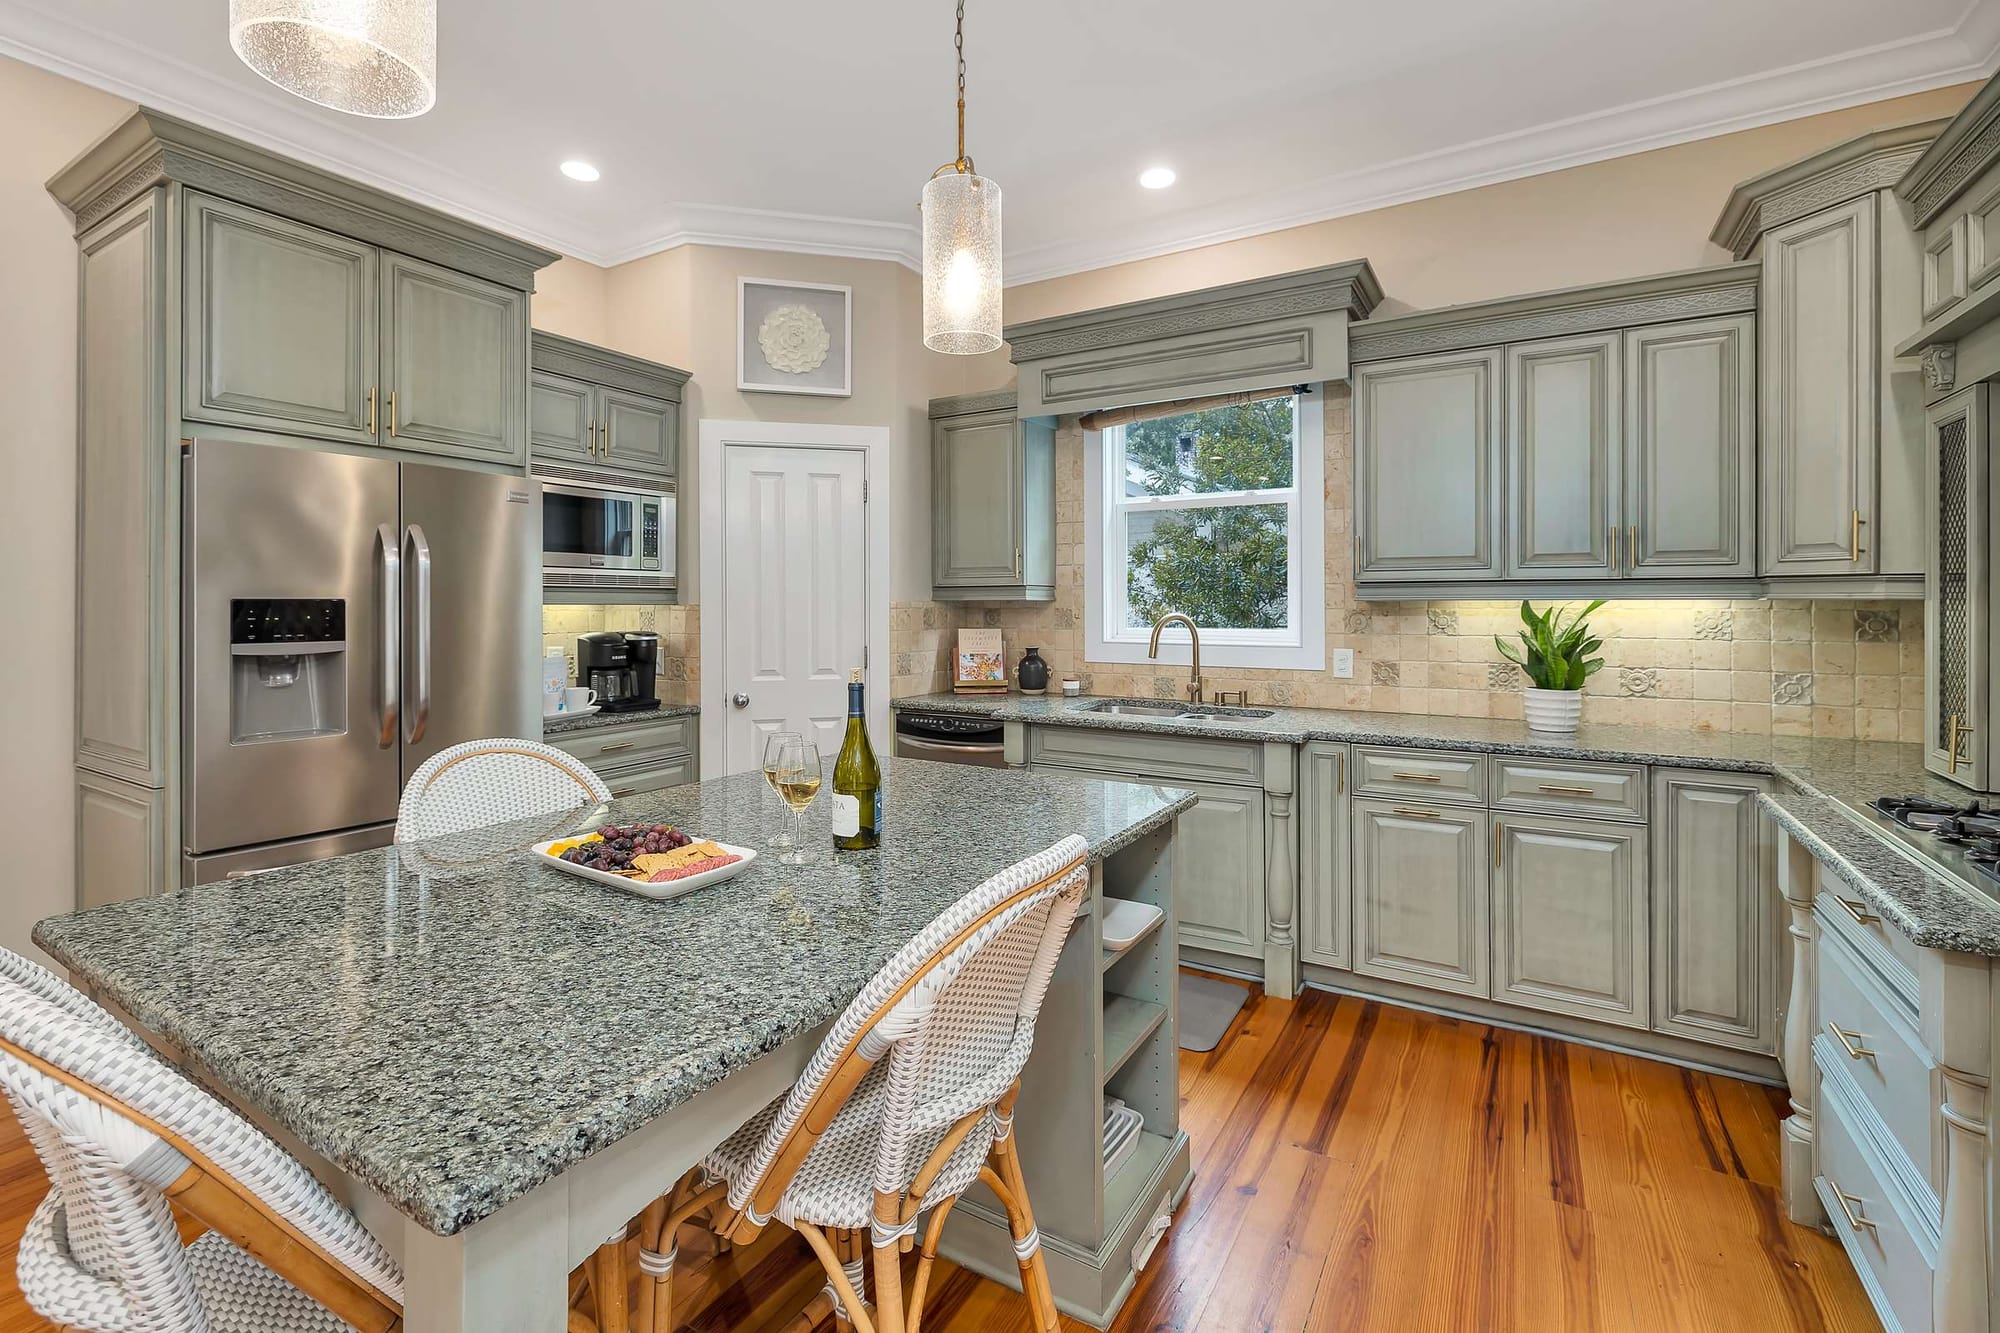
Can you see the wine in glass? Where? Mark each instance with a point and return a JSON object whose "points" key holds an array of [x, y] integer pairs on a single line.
{"points": [[798, 778], [774, 744]]}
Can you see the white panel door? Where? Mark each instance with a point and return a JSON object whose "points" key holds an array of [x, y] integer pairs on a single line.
{"points": [[795, 588]]}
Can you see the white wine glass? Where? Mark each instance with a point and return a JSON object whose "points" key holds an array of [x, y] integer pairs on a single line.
{"points": [[798, 780], [774, 744]]}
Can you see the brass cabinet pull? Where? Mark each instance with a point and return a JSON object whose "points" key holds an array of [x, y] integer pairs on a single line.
{"points": [[1499, 843], [371, 409], [1851, 1042], [1632, 547], [392, 414], [1558, 789], [1616, 568], [1017, 562], [1420, 814], [1847, 1202], [1854, 536], [619, 792], [1857, 909], [1340, 772], [616, 746], [1956, 733], [1416, 777], [590, 438]]}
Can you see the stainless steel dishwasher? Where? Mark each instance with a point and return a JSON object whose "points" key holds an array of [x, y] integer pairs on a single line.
{"points": [[951, 738]]}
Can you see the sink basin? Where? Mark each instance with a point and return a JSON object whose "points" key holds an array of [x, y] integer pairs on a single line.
{"points": [[1172, 712]]}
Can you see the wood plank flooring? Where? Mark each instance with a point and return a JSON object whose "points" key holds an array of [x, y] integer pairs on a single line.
{"points": [[1360, 1167]]}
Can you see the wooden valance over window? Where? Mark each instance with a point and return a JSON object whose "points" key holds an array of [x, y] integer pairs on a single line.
{"points": [[1220, 343]]}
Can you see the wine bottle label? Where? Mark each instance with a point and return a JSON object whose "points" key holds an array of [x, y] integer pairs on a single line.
{"points": [[846, 815]]}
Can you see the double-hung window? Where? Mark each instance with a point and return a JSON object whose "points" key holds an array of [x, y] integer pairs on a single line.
{"points": [[1217, 514]]}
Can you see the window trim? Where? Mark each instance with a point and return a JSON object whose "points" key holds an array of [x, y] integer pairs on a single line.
{"points": [[1301, 647]]}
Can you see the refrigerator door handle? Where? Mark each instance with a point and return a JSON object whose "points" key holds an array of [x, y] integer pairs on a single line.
{"points": [[389, 683], [420, 650]]}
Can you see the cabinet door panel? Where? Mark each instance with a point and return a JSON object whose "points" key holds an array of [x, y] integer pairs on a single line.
{"points": [[1420, 895], [1219, 887], [1691, 472], [1323, 859], [1427, 467], [1563, 456], [124, 847], [1819, 415], [455, 358], [1569, 917], [560, 419], [639, 433], [1957, 589], [1715, 952], [280, 325], [976, 484]]}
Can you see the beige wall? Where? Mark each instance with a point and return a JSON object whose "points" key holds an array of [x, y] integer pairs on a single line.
{"points": [[572, 298], [48, 121]]}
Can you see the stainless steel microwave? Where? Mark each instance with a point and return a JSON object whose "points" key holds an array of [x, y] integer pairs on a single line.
{"points": [[606, 535]]}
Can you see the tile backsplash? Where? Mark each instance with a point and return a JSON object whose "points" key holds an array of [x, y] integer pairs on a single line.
{"points": [[1789, 667], [679, 627]]}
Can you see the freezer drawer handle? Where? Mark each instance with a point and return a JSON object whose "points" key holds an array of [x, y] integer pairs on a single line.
{"points": [[389, 599], [420, 558]]}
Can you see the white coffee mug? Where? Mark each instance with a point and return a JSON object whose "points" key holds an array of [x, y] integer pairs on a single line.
{"points": [[577, 698]]}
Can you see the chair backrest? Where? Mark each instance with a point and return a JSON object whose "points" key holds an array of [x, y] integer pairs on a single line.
{"points": [[490, 782], [115, 1125], [947, 1024]]}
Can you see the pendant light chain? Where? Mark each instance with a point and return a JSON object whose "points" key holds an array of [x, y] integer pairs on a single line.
{"points": [[959, 42]]}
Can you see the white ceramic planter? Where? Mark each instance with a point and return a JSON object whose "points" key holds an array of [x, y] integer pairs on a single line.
{"points": [[1552, 710]]}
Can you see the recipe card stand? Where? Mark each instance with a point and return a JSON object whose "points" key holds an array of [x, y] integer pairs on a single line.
{"points": [[1109, 1027]]}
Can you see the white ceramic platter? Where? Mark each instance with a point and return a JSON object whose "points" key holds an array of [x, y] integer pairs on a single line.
{"points": [[673, 888]]}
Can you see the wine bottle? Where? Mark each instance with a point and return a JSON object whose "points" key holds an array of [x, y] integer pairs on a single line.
{"points": [[857, 780]]}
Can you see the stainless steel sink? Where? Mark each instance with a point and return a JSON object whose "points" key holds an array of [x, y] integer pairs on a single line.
{"points": [[1172, 712]]}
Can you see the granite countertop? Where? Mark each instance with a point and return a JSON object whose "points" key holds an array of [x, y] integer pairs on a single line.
{"points": [[453, 1022], [1928, 905], [564, 725]]}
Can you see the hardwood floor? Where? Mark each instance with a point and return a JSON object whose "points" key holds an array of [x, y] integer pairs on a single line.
{"points": [[1360, 1167]]}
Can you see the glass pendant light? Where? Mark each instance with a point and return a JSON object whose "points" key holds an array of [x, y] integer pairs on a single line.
{"points": [[365, 57], [961, 211]]}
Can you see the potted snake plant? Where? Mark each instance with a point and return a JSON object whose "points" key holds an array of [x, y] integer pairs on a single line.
{"points": [[1555, 652]]}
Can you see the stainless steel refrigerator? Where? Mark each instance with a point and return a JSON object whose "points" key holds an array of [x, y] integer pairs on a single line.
{"points": [[345, 618]]}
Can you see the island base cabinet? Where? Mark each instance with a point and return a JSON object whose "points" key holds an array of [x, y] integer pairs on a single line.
{"points": [[1715, 956], [1420, 895], [1569, 917]]}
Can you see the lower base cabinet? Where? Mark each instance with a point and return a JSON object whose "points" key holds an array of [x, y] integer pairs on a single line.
{"points": [[1420, 894], [126, 847], [1715, 913], [1569, 917], [1220, 899]]}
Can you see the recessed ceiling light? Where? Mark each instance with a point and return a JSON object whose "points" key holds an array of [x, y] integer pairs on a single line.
{"points": [[1157, 178], [583, 171]]}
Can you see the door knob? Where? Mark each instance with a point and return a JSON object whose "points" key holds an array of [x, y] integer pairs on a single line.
{"points": [[740, 700]]}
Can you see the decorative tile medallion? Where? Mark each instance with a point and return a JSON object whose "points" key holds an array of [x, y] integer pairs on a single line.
{"points": [[1503, 676], [1714, 623], [1442, 621], [1792, 688], [1640, 682], [1878, 625], [1385, 673]]}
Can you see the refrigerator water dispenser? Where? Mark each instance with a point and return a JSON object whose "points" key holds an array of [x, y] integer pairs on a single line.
{"points": [[288, 668]]}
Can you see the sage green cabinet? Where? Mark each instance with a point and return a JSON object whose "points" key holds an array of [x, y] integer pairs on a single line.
{"points": [[1421, 907], [1324, 863], [1690, 471], [1570, 929], [992, 502], [562, 422], [1427, 468], [1714, 914], [127, 846], [1219, 889], [281, 331], [1563, 456], [454, 362], [603, 409]]}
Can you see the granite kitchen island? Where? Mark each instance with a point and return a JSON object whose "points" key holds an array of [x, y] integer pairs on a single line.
{"points": [[503, 1063]]}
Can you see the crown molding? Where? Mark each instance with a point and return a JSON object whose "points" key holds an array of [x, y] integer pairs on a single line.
{"points": [[972, 404], [1701, 293], [767, 229], [1959, 155], [1861, 165], [579, 360]]}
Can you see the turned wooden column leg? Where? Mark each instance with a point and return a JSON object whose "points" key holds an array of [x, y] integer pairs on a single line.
{"points": [[1795, 883], [1958, 1287]]}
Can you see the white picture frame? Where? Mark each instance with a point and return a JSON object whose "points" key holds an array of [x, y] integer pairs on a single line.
{"points": [[832, 305]]}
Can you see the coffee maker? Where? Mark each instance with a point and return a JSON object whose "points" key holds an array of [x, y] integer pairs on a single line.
{"points": [[620, 669]]}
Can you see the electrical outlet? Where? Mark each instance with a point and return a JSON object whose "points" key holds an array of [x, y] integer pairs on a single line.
{"points": [[1343, 663]]}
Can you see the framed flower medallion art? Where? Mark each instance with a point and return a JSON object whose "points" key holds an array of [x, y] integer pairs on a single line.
{"points": [[794, 337]]}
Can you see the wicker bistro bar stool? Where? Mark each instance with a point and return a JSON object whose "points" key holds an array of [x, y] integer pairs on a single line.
{"points": [[121, 1132], [478, 783], [908, 1101]]}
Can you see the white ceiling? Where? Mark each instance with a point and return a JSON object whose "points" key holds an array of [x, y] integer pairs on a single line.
{"points": [[808, 125]]}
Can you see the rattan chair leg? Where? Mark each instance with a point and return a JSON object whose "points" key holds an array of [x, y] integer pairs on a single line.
{"points": [[836, 1272], [888, 1288], [608, 1282], [920, 1286], [1027, 1241], [654, 1313]]}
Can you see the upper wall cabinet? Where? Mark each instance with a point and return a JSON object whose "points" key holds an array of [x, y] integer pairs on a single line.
{"points": [[1489, 460], [1840, 413], [593, 408], [1953, 193], [993, 501], [293, 329]]}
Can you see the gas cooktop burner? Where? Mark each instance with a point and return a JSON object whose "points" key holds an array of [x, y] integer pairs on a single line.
{"points": [[1952, 822]]}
